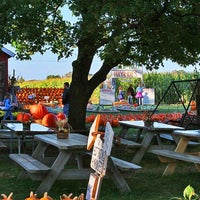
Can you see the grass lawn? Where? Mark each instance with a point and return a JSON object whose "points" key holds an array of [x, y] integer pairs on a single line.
{"points": [[147, 183]]}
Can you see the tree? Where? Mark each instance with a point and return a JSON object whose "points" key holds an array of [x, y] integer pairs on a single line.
{"points": [[119, 32]]}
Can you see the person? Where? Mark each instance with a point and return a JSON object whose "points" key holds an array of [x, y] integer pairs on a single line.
{"points": [[120, 94], [139, 95], [65, 99], [8, 107], [130, 94]]}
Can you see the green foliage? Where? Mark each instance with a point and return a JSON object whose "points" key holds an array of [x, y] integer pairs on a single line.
{"points": [[47, 83], [159, 81], [188, 194], [53, 76], [130, 31], [118, 32]]}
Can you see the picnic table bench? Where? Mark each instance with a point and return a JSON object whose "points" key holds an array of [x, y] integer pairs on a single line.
{"points": [[2, 145], [36, 167], [179, 154]]}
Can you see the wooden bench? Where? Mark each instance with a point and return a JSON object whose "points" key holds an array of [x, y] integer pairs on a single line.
{"points": [[124, 165], [170, 138], [121, 164], [2, 145], [29, 164], [172, 157], [125, 143]]}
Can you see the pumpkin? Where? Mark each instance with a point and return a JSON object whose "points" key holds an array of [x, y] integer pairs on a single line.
{"points": [[69, 197], [46, 197], [50, 120], [24, 117], [115, 123], [193, 105], [38, 111], [61, 116], [32, 196], [5, 197]]}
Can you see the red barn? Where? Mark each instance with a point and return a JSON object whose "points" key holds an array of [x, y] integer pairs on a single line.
{"points": [[5, 54]]}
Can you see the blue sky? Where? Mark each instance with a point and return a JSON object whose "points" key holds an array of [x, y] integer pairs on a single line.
{"points": [[43, 65]]}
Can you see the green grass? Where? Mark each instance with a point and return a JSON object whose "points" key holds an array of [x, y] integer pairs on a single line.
{"points": [[147, 183]]}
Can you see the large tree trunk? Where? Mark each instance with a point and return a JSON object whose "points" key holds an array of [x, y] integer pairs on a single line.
{"points": [[81, 87]]}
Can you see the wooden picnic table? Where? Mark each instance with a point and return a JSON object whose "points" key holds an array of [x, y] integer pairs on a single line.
{"points": [[149, 132], [72, 148], [16, 128], [180, 153]]}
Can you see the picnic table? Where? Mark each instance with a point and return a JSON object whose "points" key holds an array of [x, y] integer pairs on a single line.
{"points": [[16, 129], [180, 153], [149, 133], [73, 148]]}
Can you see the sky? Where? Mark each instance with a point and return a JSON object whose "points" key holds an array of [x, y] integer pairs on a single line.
{"points": [[43, 65]]}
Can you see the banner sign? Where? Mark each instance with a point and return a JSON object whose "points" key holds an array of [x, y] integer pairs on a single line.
{"points": [[126, 73]]}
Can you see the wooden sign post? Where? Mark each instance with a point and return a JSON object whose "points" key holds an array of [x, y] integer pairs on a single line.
{"points": [[101, 151]]}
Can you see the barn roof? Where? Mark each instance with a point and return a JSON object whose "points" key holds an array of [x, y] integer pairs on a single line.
{"points": [[8, 52]]}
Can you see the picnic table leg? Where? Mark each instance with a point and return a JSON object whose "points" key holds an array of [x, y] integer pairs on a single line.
{"points": [[38, 153], [123, 131], [139, 132], [56, 169], [117, 177], [144, 146], [182, 145]]}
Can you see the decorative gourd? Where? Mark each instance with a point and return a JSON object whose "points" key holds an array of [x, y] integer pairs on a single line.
{"points": [[46, 197], [193, 105], [24, 117], [5, 197], [61, 116], [69, 197], [50, 120], [32, 196], [38, 111]]}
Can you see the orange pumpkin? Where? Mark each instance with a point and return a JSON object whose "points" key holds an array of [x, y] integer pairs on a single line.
{"points": [[50, 120], [32, 196], [115, 123], [193, 105], [38, 111], [46, 197], [5, 197], [24, 117], [61, 116]]}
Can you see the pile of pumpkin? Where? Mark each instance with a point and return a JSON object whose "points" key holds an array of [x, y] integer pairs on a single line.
{"points": [[114, 119], [38, 113], [45, 197]]}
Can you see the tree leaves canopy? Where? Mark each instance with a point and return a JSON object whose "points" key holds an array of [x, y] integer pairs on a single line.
{"points": [[143, 31], [119, 32]]}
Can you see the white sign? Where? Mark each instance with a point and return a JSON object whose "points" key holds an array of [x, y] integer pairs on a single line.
{"points": [[107, 96], [148, 96], [102, 150]]}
